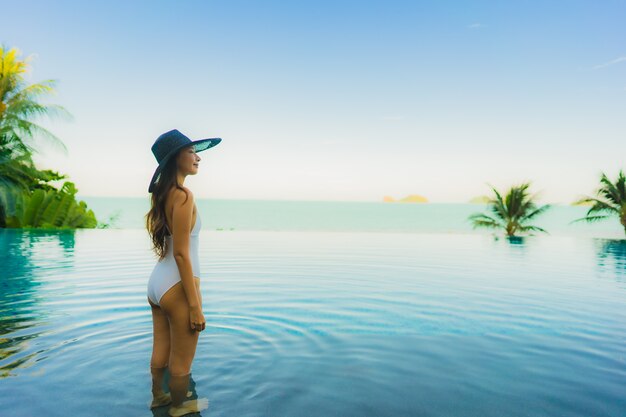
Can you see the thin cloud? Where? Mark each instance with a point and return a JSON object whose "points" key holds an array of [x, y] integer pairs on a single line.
{"points": [[475, 26], [606, 64]]}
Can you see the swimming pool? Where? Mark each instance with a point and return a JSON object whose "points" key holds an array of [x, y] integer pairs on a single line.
{"points": [[322, 324]]}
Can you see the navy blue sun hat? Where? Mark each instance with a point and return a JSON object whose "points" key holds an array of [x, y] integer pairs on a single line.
{"points": [[169, 143]]}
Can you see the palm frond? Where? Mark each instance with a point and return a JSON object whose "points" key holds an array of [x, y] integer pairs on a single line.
{"points": [[27, 130], [498, 207], [583, 200], [600, 206], [532, 228], [482, 220], [620, 185], [610, 191], [536, 212], [19, 106], [590, 219]]}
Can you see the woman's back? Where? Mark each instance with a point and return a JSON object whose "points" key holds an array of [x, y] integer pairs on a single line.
{"points": [[169, 209], [165, 273]]}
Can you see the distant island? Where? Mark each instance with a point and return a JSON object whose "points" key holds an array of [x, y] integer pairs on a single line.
{"points": [[413, 198], [481, 199]]}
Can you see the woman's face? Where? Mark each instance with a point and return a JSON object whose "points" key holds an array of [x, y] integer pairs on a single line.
{"points": [[188, 160]]}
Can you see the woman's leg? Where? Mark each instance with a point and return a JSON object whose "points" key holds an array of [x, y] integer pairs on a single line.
{"points": [[161, 338], [183, 343], [160, 355]]}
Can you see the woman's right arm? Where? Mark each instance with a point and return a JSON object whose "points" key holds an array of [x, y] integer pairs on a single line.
{"points": [[182, 217]]}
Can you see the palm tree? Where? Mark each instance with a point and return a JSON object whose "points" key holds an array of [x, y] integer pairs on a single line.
{"points": [[611, 201], [510, 213], [19, 106]]}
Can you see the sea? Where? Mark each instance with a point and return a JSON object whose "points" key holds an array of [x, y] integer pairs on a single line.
{"points": [[346, 216]]}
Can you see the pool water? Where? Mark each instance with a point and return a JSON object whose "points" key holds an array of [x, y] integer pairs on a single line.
{"points": [[322, 324]]}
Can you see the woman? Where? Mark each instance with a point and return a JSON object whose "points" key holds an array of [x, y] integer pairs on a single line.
{"points": [[174, 285]]}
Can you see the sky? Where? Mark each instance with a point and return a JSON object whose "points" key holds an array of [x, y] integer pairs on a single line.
{"points": [[333, 100]]}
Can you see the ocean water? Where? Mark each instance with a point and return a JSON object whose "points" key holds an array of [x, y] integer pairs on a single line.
{"points": [[322, 323], [268, 215]]}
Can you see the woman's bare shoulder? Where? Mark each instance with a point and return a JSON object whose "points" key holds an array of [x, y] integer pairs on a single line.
{"points": [[181, 197]]}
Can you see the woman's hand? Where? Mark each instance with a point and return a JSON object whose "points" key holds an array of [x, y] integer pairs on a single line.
{"points": [[196, 319]]}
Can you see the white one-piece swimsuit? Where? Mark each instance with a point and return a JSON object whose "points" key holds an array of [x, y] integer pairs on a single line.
{"points": [[165, 273]]}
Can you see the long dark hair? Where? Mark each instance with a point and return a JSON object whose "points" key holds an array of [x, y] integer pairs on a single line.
{"points": [[155, 218]]}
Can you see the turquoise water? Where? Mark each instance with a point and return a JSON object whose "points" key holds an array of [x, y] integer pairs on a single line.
{"points": [[322, 324], [268, 215]]}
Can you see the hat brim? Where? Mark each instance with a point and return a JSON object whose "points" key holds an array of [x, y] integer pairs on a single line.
{"points": [[199, 146]]}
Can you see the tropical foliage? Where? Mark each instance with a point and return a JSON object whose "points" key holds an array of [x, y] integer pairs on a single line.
{"points": [[23, 187], [511, 213], [52, 209], [610, 201]]}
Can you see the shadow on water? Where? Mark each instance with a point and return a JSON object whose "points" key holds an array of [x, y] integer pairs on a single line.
{"points": [[20, 288], [611, 254], [516, 240], [512, 240], [517, 245]]}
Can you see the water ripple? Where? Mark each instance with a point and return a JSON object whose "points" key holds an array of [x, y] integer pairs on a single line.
{"points": [[346, 324]]}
